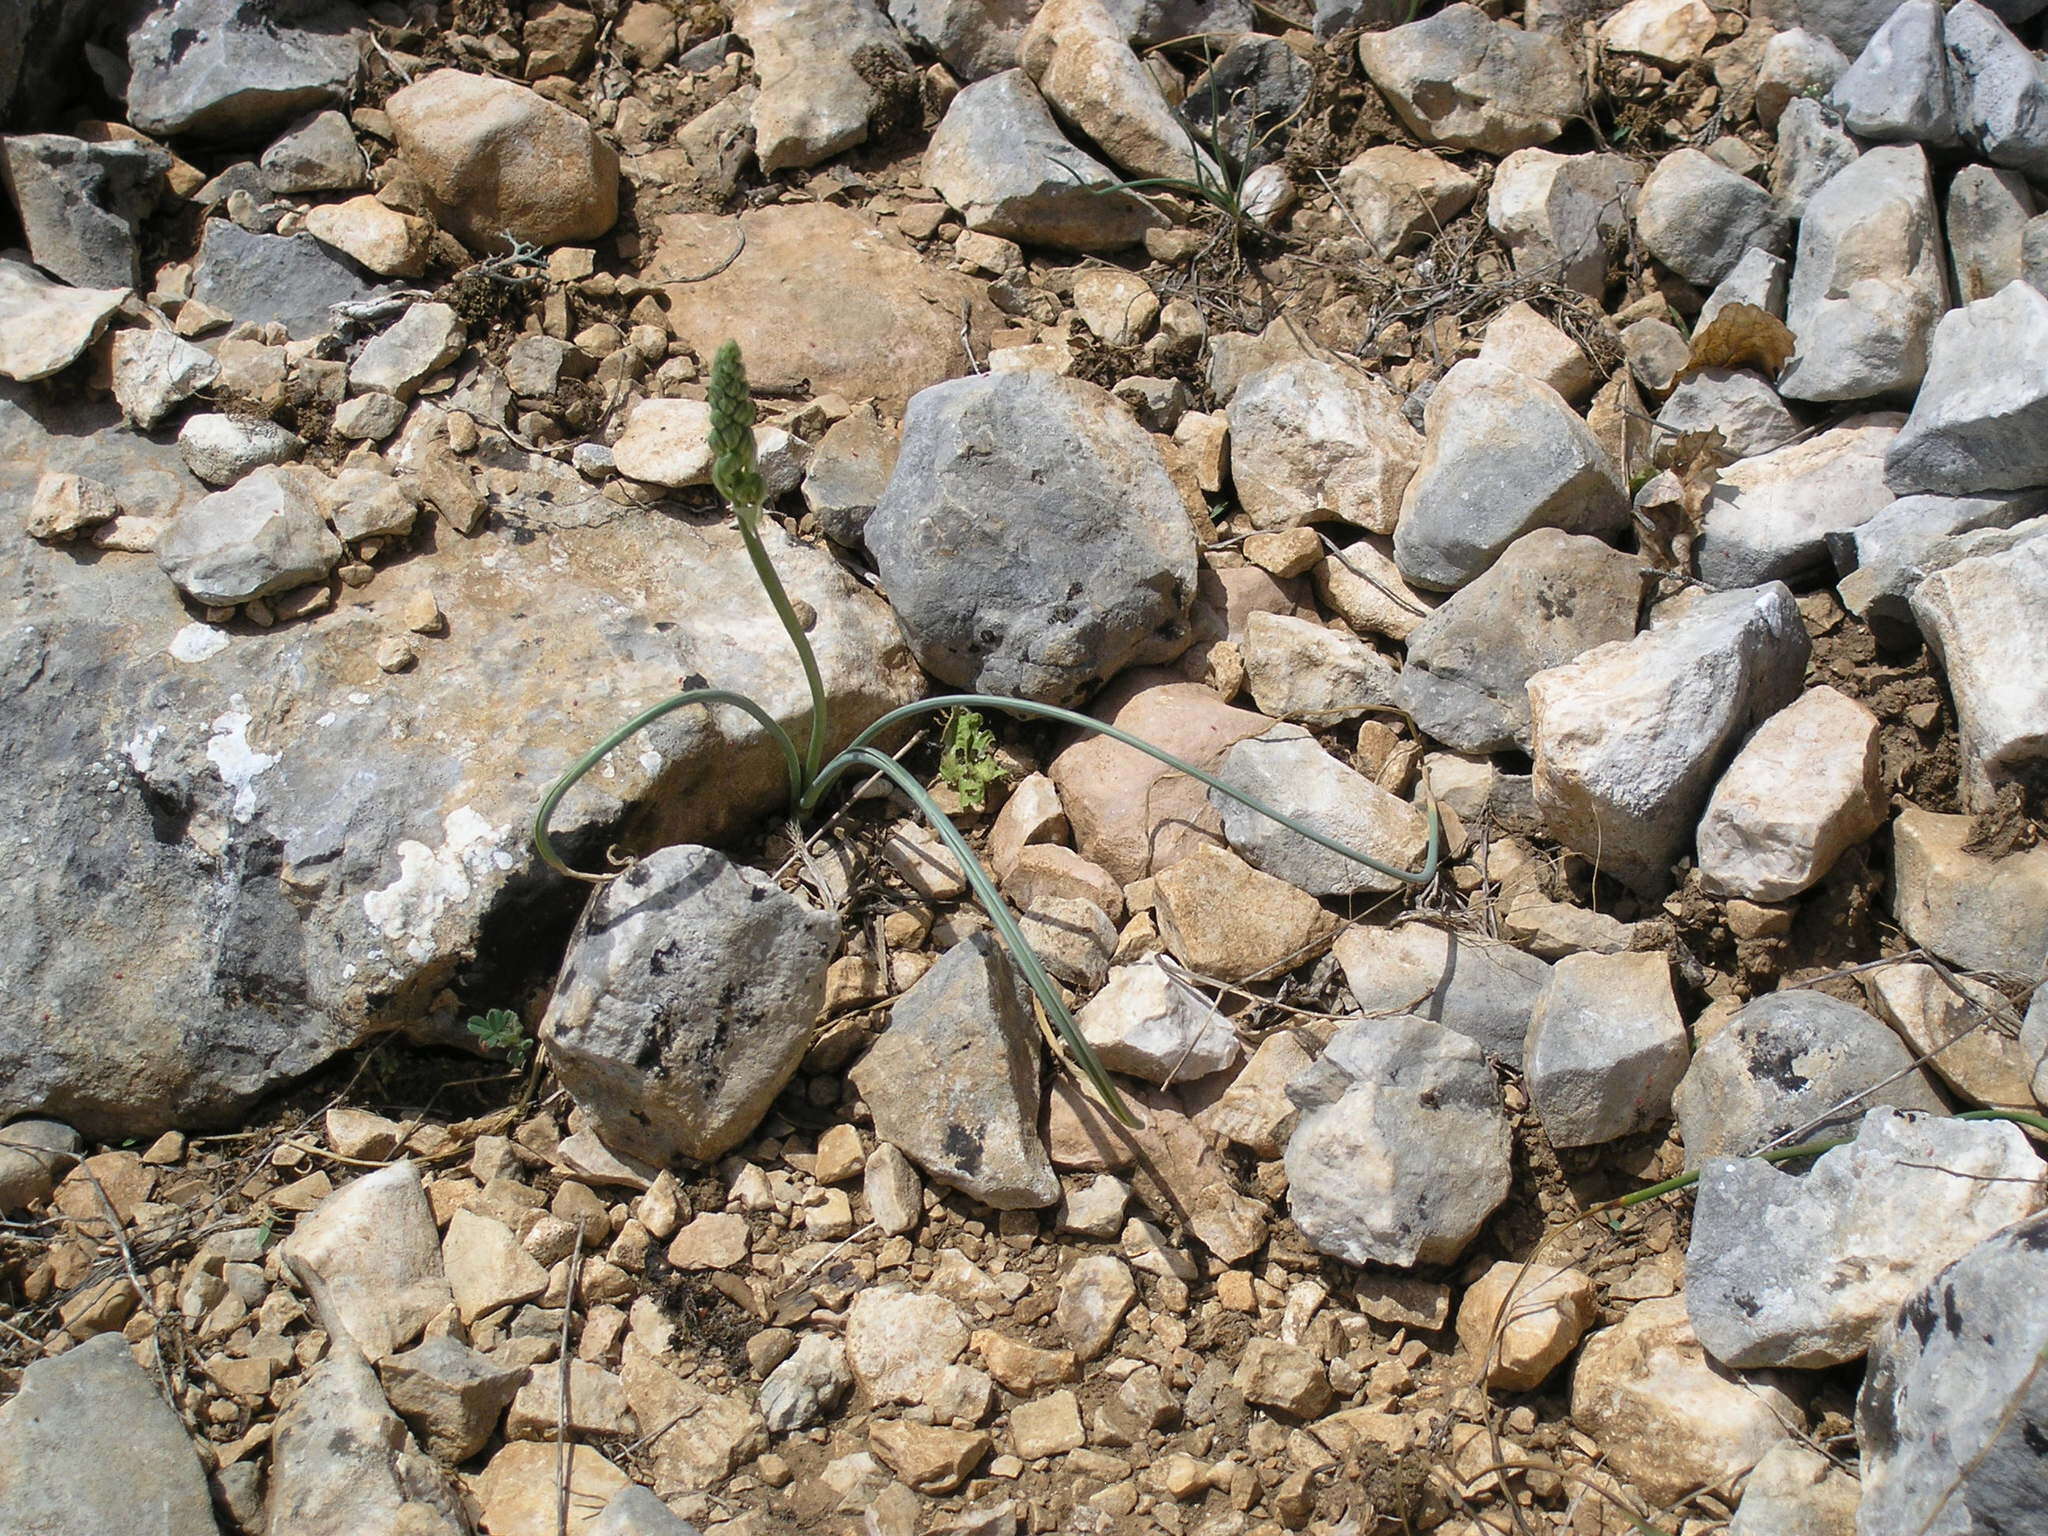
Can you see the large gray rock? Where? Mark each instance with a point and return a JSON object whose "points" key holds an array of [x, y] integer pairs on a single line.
{"points": [[1563, 216], [1980, 911], [1986, 618], [1784, 1064], [1247, 101], [1030, 540], [2000, 88], [687, 1003], [1987, 216], [1980, 422], [1551, 597], [999, 158], [1869, 281], [311, 866], [1629, 739], [1954, 1404], [222, 69], [89, 1446], [1699, 218], [831, 71], [1401, 1151], [954, 1081], [1078, 53], [1478, 987], [79, 203], [1848, 24], [341, 1461], [1606, 1047], [1794, 64], [1884, 560], [320, 155], [1288, 771], [450, 1396], [1804, 1269], [292, 279], [1504, 455], [263, 535], [1769, 518], [1898, 88], [1463, 79]]}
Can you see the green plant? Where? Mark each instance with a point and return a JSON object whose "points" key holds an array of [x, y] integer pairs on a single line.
{"points": [[967, 758], [737, 476], [500, 1030]]}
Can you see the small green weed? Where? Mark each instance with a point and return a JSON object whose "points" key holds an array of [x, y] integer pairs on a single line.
{"points": [[500, 1030], [967, 758]]}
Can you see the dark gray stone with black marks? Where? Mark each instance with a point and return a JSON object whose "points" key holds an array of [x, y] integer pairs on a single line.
{"points": [[1782, 1065], [1031, 540], [953, 1083], [686, 1003], [1953, 1415]]}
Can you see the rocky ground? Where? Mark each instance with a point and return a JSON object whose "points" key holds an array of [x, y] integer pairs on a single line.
{"points": [[1614, 437]]}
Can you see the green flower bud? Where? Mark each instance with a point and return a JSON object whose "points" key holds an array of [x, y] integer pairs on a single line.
{"points": [[734, 468]]}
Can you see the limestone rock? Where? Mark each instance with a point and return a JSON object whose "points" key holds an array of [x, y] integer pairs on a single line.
{"points": [[341, 1460], [899, 1342], [319, 155], [1504, 455], [1885, 559], [1220, 917], [1984, 617], [1802, 791], [1794, 1491], [1550, 598], [1606, 1048], [1401, 197], [1287, 770], [1747, 412], [1795, 64], [1146, 1023], [1813, 147], [1668, 1418], [954, 1079], [370, 1257], [1129, 812], [1361, 585], [975, 38], [384, 240], [1898, 88], [1952, 1400], [500, 163], [807, 1386], [44, 326], [1988, 212], [487, 1267], [1971, 1034], [1401, 1152], [1978, 422], [1869, 282], [88, 1445], [1523, 1320], [211, 69], [1311, 442], [1673, 33], [687, 1003], [1488, 991], [828, 69], [1973, 910], [1629, 739], [1520, 338], [265, 534], [1075, 52], [155, 372], [425, 339], [520, 1487], [79, 203], [1804, 1270], [451, 1396], [1698, 217], [969, 541], [999, 158], [2000, 91], [1783, 1064], [1297, 669], [1460, 78], [1562, 216], [291, 279]]}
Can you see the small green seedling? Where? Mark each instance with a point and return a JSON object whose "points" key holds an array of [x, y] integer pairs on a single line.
{"points": [[967, 758], [500, 1030], [737, 475]]}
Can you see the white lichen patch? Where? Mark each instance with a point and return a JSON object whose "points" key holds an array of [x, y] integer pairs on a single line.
{"points": [[238, 763], [432, 880], [196, 642]]}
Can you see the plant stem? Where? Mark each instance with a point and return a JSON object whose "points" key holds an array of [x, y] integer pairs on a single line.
{"points": [[985, 892], [545, 846], [838, 765], [764, 568]]}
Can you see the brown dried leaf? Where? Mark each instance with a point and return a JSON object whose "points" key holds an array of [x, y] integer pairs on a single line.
{"points": [[1741, 336]]}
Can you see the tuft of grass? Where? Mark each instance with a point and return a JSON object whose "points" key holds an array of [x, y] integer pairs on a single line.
{"points": [[736, 474]]}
